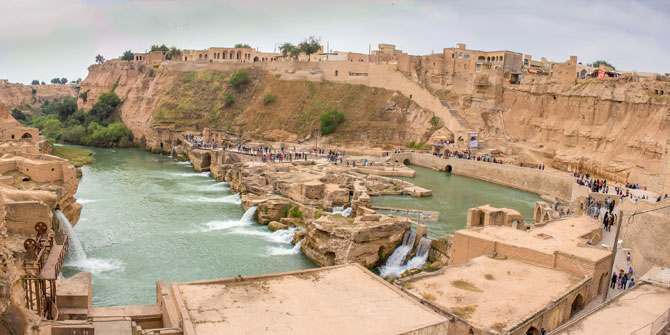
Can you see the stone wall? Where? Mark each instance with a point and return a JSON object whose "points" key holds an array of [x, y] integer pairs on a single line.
{"points": [[541, 182], [646, 233]]}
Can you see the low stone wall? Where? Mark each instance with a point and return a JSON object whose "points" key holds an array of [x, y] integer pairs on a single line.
{"points": [[532, 180]]}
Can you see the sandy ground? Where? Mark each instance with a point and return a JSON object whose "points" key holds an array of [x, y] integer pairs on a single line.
{"points": [[341, 300], [532, 287]]}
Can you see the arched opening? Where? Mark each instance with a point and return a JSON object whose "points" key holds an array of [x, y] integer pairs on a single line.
{"points": [[27, 135], [12, 136], [336, 73], [448, 169], [471, 332], [161, 145], [577, 305], [232, 55], [239, 55], [532, 331], [255, 59], [329, 258], [25, 179], [406, 161]]}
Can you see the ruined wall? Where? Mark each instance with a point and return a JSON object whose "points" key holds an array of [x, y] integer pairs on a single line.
{"points": [[647, 234]]}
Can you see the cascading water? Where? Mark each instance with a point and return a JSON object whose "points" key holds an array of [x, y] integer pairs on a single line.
{"points": [[421, 255], [394, 264], [172, 153], [342, 211], [77, 257], [76, 252]]}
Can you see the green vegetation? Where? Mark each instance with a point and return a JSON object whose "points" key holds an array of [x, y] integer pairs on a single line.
{"points": [[59, 81], [418, 145], [76, 156], [433, 121], [127, 55], [296, 213], [35, 82], [269, 98], [99, 59], [602, 61], [229, 100], [310, 45], [239, 79], [242, 45], [173, 53], [116, 83], [330, 120], [465, 285], [61, 121], [464, 312], [161, 47]]}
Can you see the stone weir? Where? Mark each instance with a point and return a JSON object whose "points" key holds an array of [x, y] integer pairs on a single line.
{"points": [[329, 203]]}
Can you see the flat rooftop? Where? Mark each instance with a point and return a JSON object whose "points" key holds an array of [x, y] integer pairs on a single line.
{"points": [[632, 311], [561, 235], [486, 291], [345, 299]]}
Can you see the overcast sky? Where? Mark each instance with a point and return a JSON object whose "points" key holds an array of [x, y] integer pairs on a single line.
{"points": [[43, 39]]}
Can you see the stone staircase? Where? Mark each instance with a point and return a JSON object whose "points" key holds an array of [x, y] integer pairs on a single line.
{"points": [[456, 115]]}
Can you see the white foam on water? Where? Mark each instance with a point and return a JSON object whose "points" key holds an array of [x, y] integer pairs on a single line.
{"points": [[246, 220], [395, 265], [190, 174], [86, 201], [230, 199], [284, 236], [77, 257], [222, 186], [280, 251], [184, 163], [342, 211]]}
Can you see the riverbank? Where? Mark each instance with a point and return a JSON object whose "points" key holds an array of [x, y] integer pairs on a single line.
{"points": [[77, 156]]}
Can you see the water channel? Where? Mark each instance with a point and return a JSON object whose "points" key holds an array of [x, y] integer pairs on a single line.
{"points": [[147, 218]]}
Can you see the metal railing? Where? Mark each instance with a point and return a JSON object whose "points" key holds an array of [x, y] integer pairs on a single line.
{"points": [[656, 326]]}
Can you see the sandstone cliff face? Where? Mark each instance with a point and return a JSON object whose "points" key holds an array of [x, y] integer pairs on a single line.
{"points": [[186, 97], [14, 95]]}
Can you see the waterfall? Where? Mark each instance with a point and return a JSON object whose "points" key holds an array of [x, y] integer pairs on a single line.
{"points": [[421, 254], [76, 251], [171, 152], [77, 257], [394, 264], [342, 211]]}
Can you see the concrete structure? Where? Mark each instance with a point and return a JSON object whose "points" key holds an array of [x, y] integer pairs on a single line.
{"points": [[642, 310], [345, 299], [477, 296], [487, 216]]}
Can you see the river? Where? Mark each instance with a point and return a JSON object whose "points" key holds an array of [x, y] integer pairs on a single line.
{"points": [[147, 218]]}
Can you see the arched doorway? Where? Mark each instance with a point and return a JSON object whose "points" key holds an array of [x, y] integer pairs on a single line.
{"points": [[255, 59], [577, 305], [27, 135], [448, 168], [532, 331], [406, 161]]}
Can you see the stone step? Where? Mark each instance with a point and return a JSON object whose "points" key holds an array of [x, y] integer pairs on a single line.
{"points": [[69, 313]]}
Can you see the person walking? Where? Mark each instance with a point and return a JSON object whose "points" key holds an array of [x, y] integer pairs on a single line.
{"points": [[614, 280]]}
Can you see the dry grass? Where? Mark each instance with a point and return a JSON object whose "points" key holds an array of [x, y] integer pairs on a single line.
{"points": [[489, 276], [465, 285], [465, 311], [428, 296], [498, 326]]}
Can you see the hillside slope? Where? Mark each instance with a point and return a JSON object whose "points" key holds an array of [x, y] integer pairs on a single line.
{"points": [[15, 95], [189, 99]]}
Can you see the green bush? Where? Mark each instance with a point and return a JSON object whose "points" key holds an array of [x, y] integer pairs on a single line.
{"points": [[66, 108], [127, 55], [269, 98], [296, 213], [410, 144], [229, 100], [74, 134], [110, 98], [330, 120], [35, 82], [239, 79]]}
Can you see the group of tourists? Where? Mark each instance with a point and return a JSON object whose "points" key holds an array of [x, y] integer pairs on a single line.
{"points": [[533, 166], [623, 280], [598, 207], [200, 143]]}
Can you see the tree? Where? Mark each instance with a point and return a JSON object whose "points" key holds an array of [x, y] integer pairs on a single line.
{"points": [[127, 55], [99, 59], [238, 79], [242, 45], [161, 47], [43, 83], [66, 108], [63, 81], [310, 45], [173, 53], [602, 61], [35, 82], [286, 48], [55, 81], [330, 120], [110, 98]]}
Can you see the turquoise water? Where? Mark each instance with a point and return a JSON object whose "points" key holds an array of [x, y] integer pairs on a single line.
{"points": [[453, 195], [146, 218]]}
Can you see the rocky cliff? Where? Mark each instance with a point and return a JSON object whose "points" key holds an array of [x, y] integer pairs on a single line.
{"points": [[181, 96], [15, 95]]}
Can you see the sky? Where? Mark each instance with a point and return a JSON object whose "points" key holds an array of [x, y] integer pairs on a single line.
{"points": [[43, 39]]}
